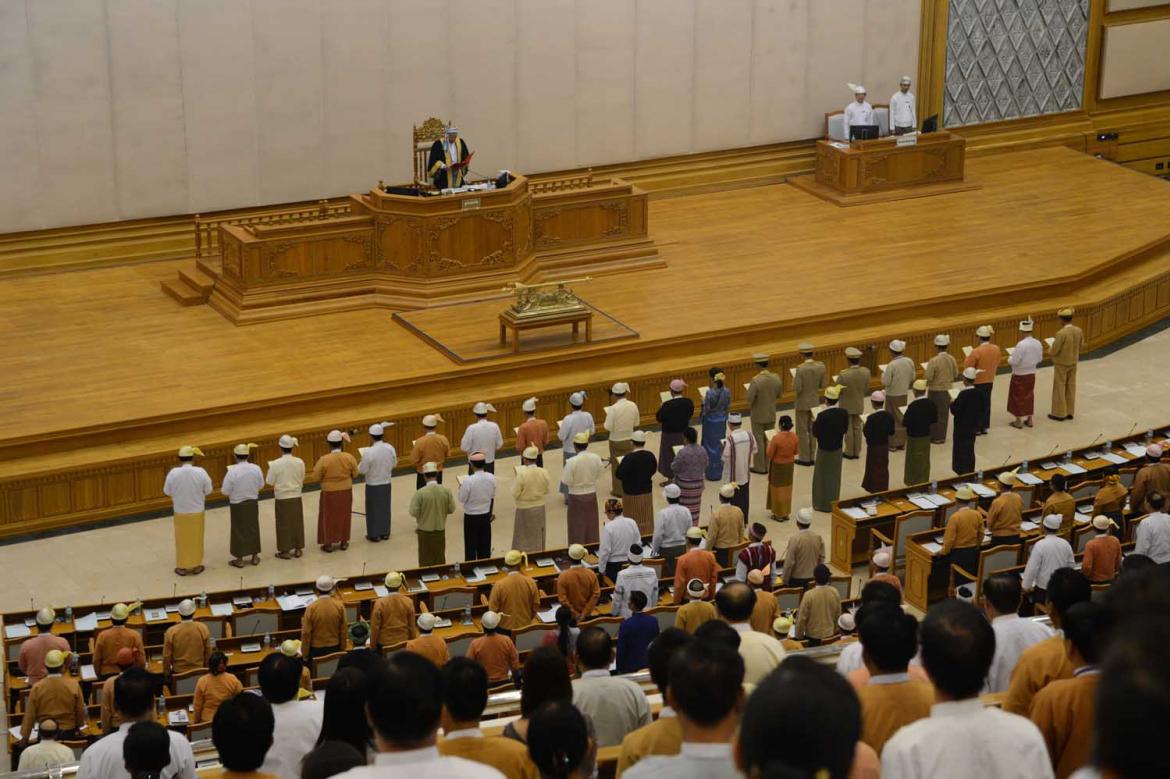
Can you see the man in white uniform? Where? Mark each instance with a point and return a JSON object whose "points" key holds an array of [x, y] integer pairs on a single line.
{"points": [[962, 739], [903, 111], [1024, 358], [377, 465], [242, 486], [576, 421], [739, 449], [188, 486], [483, 435], [859, 112], [1048, 554], [619, 534], [1000, 599], [286, 474], [897, 378], [620, 420], [634, 576]]}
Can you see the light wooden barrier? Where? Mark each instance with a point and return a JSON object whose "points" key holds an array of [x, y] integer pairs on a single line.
{"points": [[207, 228]]}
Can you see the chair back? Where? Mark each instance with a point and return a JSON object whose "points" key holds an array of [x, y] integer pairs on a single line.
{"points": [[665, 617], [996, 559], [610, 625], [835, 122], [458, 647], [326, 665], [14, 647], [215, 626], [788, 598], [184, 683], [200, 731], [352, 612], [255, 622], [530, 637], [389, 650], [1131, 528], [77, 745], [455, 598], [656, 564], [1082, 536], [423, 137], [843, 585], [1127, 476], [1086, 489], [907, 524]]}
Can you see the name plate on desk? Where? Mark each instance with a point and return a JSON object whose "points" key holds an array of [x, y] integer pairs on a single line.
{"points": [[470, 204], [909, 139]]}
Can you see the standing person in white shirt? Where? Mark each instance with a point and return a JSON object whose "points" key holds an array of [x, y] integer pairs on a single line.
{"points": [[404, 706], [962, 739], [287, 477], [134, 700], [859, 112], [634, 576], [188, 486], [1152, 537], [739, 450], [903, 111], [1024, 358], [242, 486], [530, 489], [618, 535], [476, 493], [761, 652], [670, 529], [576, 422], [616, 705], [579, 483], [1001, 597], [377, 465], [483, 435], [297, 722], [897, 378], [708, 701], [620, 420], [1048, 554]]}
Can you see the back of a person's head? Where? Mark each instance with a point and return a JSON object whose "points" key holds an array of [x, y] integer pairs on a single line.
{"points": [[1067, 586], [134, 693], [822, 574], [1142, 594], [957, 648], [330, 758], [1134, 563], [217, 663], [594, 648], [1086, 626], [344, 711], [718, 631], [638, 600], [880, 592], [146, 750], [735, 601], [888, 635], [405, 699], [242, 731], [664, 646], [803, 719], [465, 689], [1156, 500], [280, 677], [710, 676], [1058, 482], [361, 659], [546, 678], [1003, 591], [558, 739]]}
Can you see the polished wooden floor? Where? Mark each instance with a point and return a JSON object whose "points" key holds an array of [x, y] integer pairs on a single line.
{"points": [[97, 357]]}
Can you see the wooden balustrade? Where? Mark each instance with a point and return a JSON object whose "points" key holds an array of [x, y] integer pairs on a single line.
{"points": [[207, 229]]}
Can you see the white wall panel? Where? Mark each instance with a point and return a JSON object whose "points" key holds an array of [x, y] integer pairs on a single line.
{"points": [[546, 84], [836, 46], [483, 76], [779, 47], [150, 149], [723, 73], [1135, 59], [219, 104], [606, 40], [19, 172], [664, 77], [418, 81], [891, 46]]}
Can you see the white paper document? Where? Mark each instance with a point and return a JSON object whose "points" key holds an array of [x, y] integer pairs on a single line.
{"points": [[939, 500], [967, 350], [548, 617], [86, 624], [1029, 526], [154, 615], [17, 631], [1072, 469], [665, 396], [1137, 450], [381, 590], [982, 491], [921, 501], [88, 673], [1029, 479], [221, 609], [855, 513], [1050, 342], [1116, 459], [932, 547]]}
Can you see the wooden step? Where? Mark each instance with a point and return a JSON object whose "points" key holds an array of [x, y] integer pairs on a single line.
{"points": [[184, 294], [195, 278]]}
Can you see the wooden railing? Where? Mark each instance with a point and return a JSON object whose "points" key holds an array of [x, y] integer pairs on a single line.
{"points": [[561, 184], [207, 228]]}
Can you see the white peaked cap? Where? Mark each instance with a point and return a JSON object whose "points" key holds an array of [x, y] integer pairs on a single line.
{"points": [[490, 620], [620, 388], [243, 450], [577, 399], [326, 583], [46, 616], [577, 552], [482, 408], [186, 607], [727, 491], [1026, 325], [638, 436], [858, 89], [430, 468], [672, 491], [394, 580], [426, 621], [432, 420], [528, 405], [530, 453], [334, 437], [942, 340], [904, 80], [846, 621], [897, 345], [380, 427], [1053, 521], [288, 442], [985, 331], [804, 516]]}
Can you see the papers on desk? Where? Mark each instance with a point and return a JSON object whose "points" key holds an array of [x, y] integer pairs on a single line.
{"points": [[932, 547], [1028, 525], [294, 602], [1072, 469], [546, 562], [172, 608], [1086, 508], [855, 513], [486, 570], [548, 617], [967, 350], [443, 622], [250, 647], [86, 624], [982, 491], [1110, 457], [420, 587], [103, 616], [921, 500], [430, 577], [243, 601], [1028, 479], [1137, 450], [17, 631], [665, 396], [1081, 519], [1050, 342], [177, 717], [381, 590], [363, 586], [1051, 465], [154, 615], [88, 673]]}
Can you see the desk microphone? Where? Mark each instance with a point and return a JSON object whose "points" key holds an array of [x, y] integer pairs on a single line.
{"points": [[363, 568], [1127, 435], [1005, 461], [1052, 450], [1095, 440]]}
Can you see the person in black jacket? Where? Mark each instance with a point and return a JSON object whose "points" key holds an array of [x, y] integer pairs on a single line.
{"points": [[636, 474], [879, 426], [920, 417], [968, 409], [675, 416], [829, 429], [445, 165]]}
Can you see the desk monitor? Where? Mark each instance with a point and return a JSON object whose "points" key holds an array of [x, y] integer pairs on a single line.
{"points": [[863, 132], [930, 125]]}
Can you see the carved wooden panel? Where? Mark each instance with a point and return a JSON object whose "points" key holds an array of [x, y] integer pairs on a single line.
{"points": [[561, 225], [310, 256]]}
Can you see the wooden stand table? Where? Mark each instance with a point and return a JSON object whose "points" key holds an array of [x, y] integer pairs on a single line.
{"points": [[509, 321]]}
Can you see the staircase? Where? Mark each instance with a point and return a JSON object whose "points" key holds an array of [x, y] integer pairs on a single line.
{"points": [[194, 282]]}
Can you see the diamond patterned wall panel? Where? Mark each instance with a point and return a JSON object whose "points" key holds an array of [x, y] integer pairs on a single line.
{"points": [[1008, 59]]}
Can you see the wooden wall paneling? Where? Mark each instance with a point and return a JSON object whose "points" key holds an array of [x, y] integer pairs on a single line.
{"points": [[87, 494], [932, 58], [120, 486], [53, 498]]}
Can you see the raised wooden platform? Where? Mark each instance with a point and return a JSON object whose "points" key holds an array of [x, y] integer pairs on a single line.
{"points": [[104, 376]]}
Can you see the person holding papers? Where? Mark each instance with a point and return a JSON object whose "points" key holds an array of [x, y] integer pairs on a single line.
{"points": [[675, 416], [853, 384], [829, 428], [577, 421], [621, 417], [533, 431], [968, 410], [762, 392], [739, 452], [940, 374], [920, 420], [579, 482], [447, 163], [713, 418], [635, 472], [879, 426], [896, 379], [984, 358], [1065, 352], [1024, 358], [377, 465], [430, 447], [476, 493], [808, 379], [430, 506], [903, 111], [859, 112], [529, 490]]}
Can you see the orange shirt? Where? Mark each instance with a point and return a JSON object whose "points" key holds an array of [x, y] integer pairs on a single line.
{"points": [[783, 447], [696, 564], [532, 432], [497, 654], [1005, 514], [210, 691], [1064, 504], [393, 620], [1102, 559], [517, 599], [578, 588], [964, 530], [429, 448], [324, 623], [1038, 665], [986, 358], [336, 471], [431, 647], [107, 644], [1064, 712]]}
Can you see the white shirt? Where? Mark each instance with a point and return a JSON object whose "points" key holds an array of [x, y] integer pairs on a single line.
{"points": [[581, 473], [45, 754], [1026, 356], [634, 577], [243, 482], [1153, 537], [621, 418], [103, 760], [858, 114], [761, 653], [421, 763], [1050, 553], [477, 492], [1013, 634], [617, 536], [297, 726], [287, 476], [903, 111], [574, 422], [187, 486], [694, 761], [850, 659], [617, 706], [482, 436], [745, 449], [378, 463], [670, 528], [898, 376], [964, 740]]}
